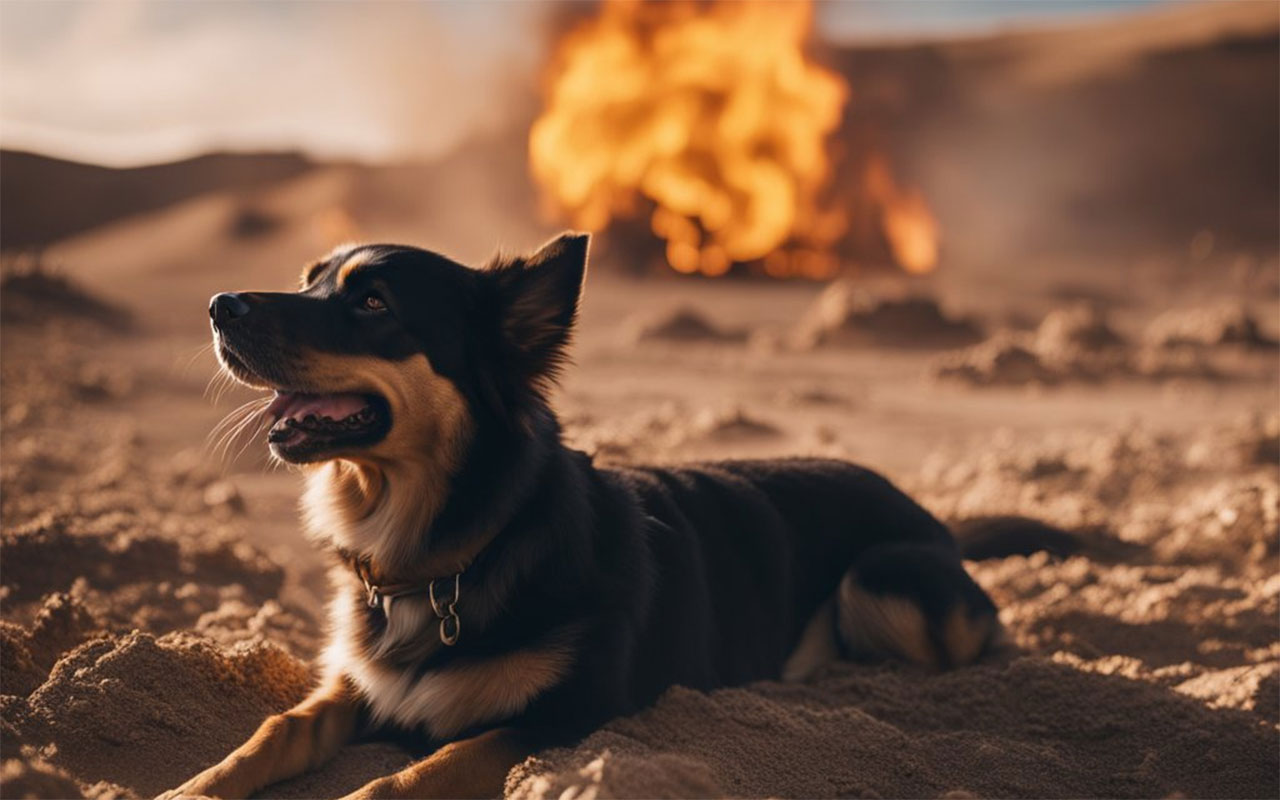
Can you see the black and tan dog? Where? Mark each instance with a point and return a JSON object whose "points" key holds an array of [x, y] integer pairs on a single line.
{"points": [[496, 593]]}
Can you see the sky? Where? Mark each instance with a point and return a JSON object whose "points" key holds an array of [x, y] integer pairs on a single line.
{"points": [[124, 82]]}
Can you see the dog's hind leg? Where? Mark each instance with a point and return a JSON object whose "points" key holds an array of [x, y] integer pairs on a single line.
{"points": [[817, 645], [914, 602], [285, 745]]}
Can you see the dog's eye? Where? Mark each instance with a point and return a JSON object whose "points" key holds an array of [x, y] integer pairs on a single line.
{"points": [[374, 303]]}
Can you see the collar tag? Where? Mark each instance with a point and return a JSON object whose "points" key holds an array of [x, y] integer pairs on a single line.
{"points": [[446, 611], [444, 607]]}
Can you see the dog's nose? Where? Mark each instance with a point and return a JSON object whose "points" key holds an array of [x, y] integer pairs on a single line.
{"points": [[226, 307]]}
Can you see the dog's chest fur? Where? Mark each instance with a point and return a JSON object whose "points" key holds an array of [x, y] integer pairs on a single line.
{"points": [[385, 666]]}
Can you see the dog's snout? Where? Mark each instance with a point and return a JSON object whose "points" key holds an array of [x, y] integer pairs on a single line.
{"points": [[227, 306]]}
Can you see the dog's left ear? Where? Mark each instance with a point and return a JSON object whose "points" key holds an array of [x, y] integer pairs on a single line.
{"points": [[538, 304]]}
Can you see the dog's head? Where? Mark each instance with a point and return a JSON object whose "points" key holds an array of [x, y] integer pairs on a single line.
{"points": [[387, 352]]}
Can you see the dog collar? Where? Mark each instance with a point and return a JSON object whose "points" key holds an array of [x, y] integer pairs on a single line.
{"points": [[444, 604]]}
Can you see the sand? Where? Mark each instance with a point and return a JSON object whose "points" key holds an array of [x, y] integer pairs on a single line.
{"points": [[153, 614], [1078, 344], [157, 599], [848, 313]]}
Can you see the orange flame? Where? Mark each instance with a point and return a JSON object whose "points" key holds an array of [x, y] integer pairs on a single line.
{"points": [[908, 225], [712, 112]]}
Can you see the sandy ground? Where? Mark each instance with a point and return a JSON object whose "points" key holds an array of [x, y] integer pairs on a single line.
{"points": [[1096, 350], [158, 600]]}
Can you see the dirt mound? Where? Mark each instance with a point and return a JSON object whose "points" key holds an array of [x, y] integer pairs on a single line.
{"points": [[730, 423], [1076, 328], [683, 324], [1213, 326], [1026, 728], [32, 293], [1071, 345], [846, 314], [1003, 360], [668, 429], [35, 779], [114, 707]]}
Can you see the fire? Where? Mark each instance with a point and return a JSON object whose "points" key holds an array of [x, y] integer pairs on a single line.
{"points": [[908, 225], [712, 112], [712, 115]]}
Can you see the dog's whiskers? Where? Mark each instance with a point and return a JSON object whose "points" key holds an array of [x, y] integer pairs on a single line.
{"points": [[234, 416], [262, 421], [232, 436], [222, 385], [199, 351], [227, 432]]}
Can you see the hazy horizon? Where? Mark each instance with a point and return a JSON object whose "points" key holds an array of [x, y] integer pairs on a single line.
{"points": [[136, 82]]}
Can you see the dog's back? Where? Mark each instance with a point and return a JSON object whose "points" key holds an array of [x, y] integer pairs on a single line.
{"points": [[762, 561]]}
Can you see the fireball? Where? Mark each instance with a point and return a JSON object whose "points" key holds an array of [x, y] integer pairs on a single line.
{"points": [[712, 113]]}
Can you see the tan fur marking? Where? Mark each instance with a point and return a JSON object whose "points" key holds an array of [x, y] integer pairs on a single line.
{"points": [[455, 698], [352, 264], [310, 273], [377, 502], [887, 625], [285, 745], [817, 645], [475, 767], [966, 638]]}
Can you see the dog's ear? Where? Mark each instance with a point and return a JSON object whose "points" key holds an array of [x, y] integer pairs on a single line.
{"points": [[537, 304]]}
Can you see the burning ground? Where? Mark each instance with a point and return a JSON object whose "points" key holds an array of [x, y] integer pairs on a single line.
{"points": [[158, 602]]}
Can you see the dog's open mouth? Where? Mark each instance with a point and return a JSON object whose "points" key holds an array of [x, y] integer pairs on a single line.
{"points": [[311, 426]]}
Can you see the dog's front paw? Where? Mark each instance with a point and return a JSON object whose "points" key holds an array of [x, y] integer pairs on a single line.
{"points": [[181, 793], [201, 787]]}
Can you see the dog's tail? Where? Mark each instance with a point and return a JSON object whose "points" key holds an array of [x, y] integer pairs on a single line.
{"points": [[981, 538], [916, 602]]}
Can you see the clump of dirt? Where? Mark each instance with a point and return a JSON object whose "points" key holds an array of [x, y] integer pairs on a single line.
{"points": [[811, 396], [1003, 360], [846, 314], [1076, 328], [670, 428], [683, 325], [250, 222], [730, 423], [113, 707], [1213, 326], [31, 293], [36, 778], [53, 558], [1075, 344]]}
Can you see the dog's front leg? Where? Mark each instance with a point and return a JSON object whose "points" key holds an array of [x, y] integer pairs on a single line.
{"points": [[288, 744], [475, 767]]}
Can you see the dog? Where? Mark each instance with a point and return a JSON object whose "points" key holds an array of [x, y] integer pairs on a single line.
{"points": [[493, 591]]}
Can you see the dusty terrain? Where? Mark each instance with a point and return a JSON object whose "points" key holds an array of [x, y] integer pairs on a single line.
{"points": [[1104, 373], [158, 600]]}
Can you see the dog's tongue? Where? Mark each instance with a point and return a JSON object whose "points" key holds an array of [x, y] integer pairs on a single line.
{"points": [[296, 405]]}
